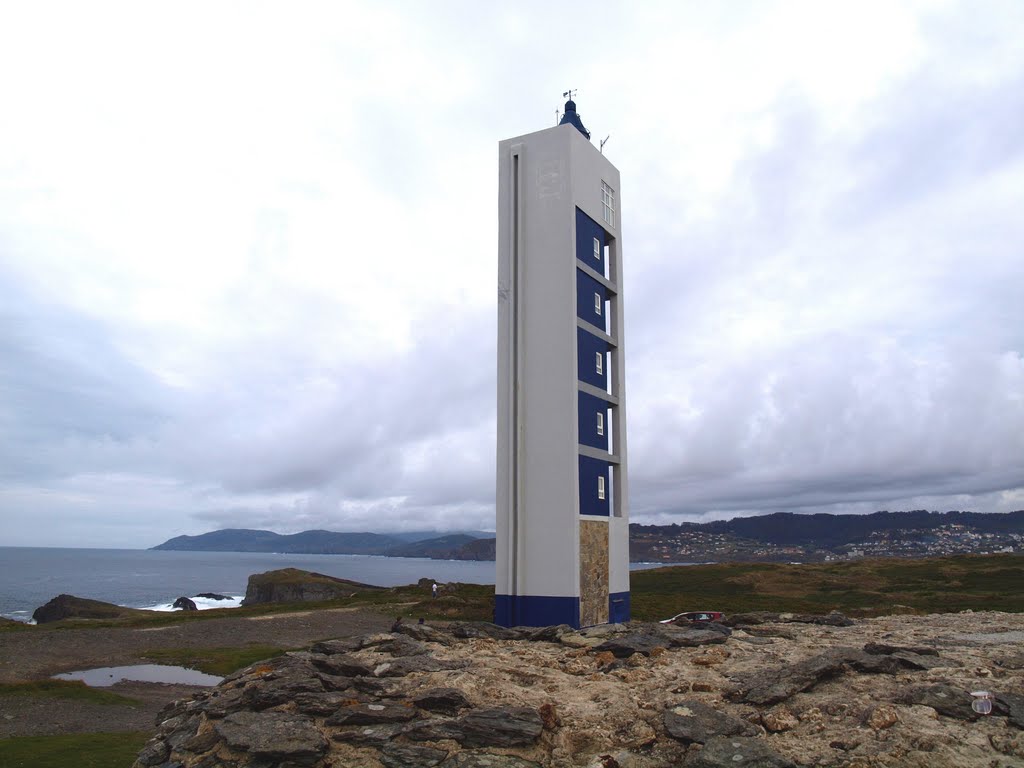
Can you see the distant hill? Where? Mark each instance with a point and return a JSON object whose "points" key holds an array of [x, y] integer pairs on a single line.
{"points": [[778, 537], [429, 544], [784, 536]]}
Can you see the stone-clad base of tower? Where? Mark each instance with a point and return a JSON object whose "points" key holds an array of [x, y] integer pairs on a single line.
{"points": [[541, 611]]}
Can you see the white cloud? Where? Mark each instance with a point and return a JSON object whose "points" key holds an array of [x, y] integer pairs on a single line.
{"points": [[247, 257]]}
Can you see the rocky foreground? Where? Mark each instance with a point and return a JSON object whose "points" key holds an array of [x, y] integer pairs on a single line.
{"points": [[769, 691]]}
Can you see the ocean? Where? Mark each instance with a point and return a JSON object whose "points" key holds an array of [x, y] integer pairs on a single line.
{"points": [[152, 579]]}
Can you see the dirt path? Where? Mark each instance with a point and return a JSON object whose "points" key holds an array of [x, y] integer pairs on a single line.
{"points": [[38, 654]]}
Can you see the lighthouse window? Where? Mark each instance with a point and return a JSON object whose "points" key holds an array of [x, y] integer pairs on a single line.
{"points": [[597, 249], [599, 362], [608, 203], [600, 423], [600, 488], [597, 303]]}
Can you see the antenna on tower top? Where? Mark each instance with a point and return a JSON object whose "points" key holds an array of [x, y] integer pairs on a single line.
{"points": [[605, 139]]}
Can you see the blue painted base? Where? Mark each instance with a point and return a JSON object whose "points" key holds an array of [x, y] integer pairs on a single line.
{"points": [[618, 608], [540, 611], [536, 611]]}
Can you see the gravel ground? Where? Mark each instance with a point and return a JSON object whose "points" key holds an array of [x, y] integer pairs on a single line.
{"points": [[40, 653]]}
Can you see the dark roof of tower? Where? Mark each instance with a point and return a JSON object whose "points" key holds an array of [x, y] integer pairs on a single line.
{"points": [[572, 117]]}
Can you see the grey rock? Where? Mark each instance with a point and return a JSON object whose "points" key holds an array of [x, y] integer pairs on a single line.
{"points": [[635, 642], [833, 619], [154, 753], [771, 686], [694, 721], [202, 742], [884, 649], [645, 640], [372, 714], [343, 645], [1011, 705], [371, 687], [182, 733], [274, 691], [402, 645], [498, 727], [550, 634], [944, 699], [425, 633], [411, 756], [901, 661], [478, 629], [222, 702], [736, 752], [341, 664], [446, 701], [485, 760], [692, 637], [405, 665], [185, 604], [785, 634], [336, 682], [369, 735], [277, 735], [326, 703]]}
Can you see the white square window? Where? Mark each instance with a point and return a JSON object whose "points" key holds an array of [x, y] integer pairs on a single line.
{"points": [[598, 301], [597, 249], [608, 203], [600, 487], [600, 423], [599, 363]]}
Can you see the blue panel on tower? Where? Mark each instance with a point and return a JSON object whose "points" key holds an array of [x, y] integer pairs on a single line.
{"points": [[593, 421], [591, 359], [618, 607], [590, 242], [595, 488], [536, 611], [591, 298]]}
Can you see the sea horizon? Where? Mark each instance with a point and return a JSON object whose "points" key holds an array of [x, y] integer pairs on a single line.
{"points": [[152, 579]]}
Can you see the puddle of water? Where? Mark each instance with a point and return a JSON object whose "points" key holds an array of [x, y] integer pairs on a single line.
{"points": [[140, 673]]}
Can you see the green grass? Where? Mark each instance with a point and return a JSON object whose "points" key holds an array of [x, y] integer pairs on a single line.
{"points": [[87, 750], [213, 661], [869, 587], [75, 690]]}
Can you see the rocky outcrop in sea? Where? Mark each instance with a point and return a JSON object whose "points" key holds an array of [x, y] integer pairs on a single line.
{"points": [[891, 691]]}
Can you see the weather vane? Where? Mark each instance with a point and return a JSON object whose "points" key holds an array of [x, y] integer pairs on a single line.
{"points": [[570, 94]]}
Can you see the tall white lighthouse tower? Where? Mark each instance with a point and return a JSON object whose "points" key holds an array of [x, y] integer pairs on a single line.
{"points": [[562, 516]]}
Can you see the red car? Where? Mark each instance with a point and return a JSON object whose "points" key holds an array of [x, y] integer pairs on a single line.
{"points": [[693, 617]]}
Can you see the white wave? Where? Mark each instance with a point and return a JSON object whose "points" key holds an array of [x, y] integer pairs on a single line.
{"points": [[202, 603]]}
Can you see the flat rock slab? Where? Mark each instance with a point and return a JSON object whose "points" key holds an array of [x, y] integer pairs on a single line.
{"points": [[737, 752], [498, 727], [447, 701], [405, 665], [372, 714], [411, 756], [694, 721], [774, 685], [483, 760], [1012, 706], [278, 735], [944, 699]]}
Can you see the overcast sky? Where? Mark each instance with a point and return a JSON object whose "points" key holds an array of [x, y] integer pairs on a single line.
{"points": [[248, 257]]}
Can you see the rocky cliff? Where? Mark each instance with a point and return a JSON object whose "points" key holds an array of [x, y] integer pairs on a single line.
{"points": [[290, 585], [770, 691]]}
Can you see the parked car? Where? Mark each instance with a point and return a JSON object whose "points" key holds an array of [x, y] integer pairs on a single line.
{"points": [[694, 617]]}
